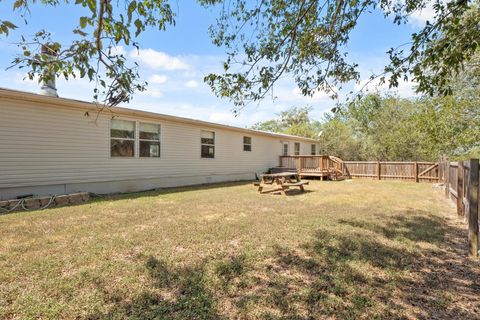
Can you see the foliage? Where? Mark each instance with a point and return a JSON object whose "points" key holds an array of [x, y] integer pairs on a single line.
{"points": [[307, 40], [382, 127], [294, 121], [265, 40], [92, 54], [338, 138], [391, 128]]}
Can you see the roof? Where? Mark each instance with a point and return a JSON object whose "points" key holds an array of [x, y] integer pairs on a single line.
{"points": [[79, 104]]}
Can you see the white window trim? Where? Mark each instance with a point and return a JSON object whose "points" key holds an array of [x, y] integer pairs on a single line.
{"points": [[295, 149], [208, 144], [283, 149], [159, 140], [247, 144], [136, 140], [135, 145]]}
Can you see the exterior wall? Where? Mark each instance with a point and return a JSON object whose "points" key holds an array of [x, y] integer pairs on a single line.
{"points": [[46, 149]]}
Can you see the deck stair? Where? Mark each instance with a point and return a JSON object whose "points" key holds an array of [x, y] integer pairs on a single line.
{"points": [[323, 166]]}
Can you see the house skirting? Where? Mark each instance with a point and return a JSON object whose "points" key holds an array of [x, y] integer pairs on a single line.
{"points": [[121, 186]]}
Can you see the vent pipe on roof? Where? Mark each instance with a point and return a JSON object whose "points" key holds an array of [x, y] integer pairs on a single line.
{"points": [[48, 87]]}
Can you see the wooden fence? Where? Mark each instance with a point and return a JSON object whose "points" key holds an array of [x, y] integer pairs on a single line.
{"points": [[391, 170], [461, 180]]}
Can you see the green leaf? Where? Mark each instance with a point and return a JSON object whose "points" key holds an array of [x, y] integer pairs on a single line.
{"points": [[17, 4], [9, 25], [131, 8], [138, 23], [83, 22]]}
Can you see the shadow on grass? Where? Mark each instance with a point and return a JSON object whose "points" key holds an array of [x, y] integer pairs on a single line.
{"points": [[162, 191], [334, 275], [414, 225]]}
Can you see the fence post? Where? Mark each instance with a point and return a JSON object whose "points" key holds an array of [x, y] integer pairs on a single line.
{"points": [[415, 170], [447, 178], [472, 197], [379, 172], [460, 189]]}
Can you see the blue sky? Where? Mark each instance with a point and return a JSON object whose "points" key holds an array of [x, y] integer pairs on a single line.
{"points": [[174, 62]]}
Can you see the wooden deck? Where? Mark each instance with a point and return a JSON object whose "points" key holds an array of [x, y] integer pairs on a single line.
{"points": [[325, 167]]}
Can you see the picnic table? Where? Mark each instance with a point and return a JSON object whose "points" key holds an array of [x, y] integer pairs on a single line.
{"points": [[282, 181]]}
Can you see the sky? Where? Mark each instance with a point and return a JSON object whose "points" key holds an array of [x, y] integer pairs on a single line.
{"points": [[174, 63]]}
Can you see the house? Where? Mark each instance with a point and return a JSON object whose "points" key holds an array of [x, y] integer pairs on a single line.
{"points": [[51, 145]]}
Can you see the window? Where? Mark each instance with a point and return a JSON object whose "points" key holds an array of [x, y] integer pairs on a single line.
{"points": [[297, 148], [247, 143], [149, 137], [285, 149], [313, 150], [122, 138], [208, 144]]}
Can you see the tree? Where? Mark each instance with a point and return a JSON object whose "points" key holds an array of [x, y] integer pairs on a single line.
{"points": [[91, 55], [388, 128], [307, 40], [265, 40], [294, 121], [338, 138]]}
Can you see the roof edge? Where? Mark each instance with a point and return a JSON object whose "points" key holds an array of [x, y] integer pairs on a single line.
{"points": [[90, 106]]}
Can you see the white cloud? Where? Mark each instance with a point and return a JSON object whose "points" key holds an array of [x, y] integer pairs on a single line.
{"points": [[151, 92], [420, 17], [290, 95], [158, 60], [118, 50], [191, 84], [157, 78], [222, 117], [405, 89]]}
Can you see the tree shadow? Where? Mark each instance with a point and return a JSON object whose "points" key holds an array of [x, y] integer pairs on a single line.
{"points": [[365, 271], [414, 225], [175, 293]]}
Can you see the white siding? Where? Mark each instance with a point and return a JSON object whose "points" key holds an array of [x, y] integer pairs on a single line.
{"points": [[43, 145]]}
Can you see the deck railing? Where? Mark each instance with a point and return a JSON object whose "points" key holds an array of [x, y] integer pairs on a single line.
{"points": [[313, 164]]}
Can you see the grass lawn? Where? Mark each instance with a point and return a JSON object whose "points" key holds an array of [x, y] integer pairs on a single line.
{"points": [[345, 250]]}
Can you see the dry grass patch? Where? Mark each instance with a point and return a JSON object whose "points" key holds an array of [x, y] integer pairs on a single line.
{"points": [[346, 250]]}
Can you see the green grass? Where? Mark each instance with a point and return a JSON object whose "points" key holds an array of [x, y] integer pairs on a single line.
{"points": [[344, 250]]}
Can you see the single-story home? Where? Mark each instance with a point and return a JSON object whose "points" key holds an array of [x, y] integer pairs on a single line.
{"points": [[51, 145]]}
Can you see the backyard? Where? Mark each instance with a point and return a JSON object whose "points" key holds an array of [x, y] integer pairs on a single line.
{"points": [[358, 249]]}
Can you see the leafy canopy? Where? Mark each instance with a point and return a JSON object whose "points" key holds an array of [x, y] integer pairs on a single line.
{"points": [[92, 54], [307, 41], [389, 128], [295, 121], [265, 41]]}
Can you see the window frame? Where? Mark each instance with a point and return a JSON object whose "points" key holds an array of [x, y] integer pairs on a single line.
{"points": [[247, 144], [149, 140], [295, 152], [134, 139], [313, 149], [285, 154], [207, 144]]}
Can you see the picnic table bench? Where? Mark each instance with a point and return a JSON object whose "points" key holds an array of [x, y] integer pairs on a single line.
{"points": [[282, 181]]}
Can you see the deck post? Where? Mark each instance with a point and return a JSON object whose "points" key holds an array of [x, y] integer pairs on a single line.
{"points": [[472, 197], [321, 167], [299, 165]]}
